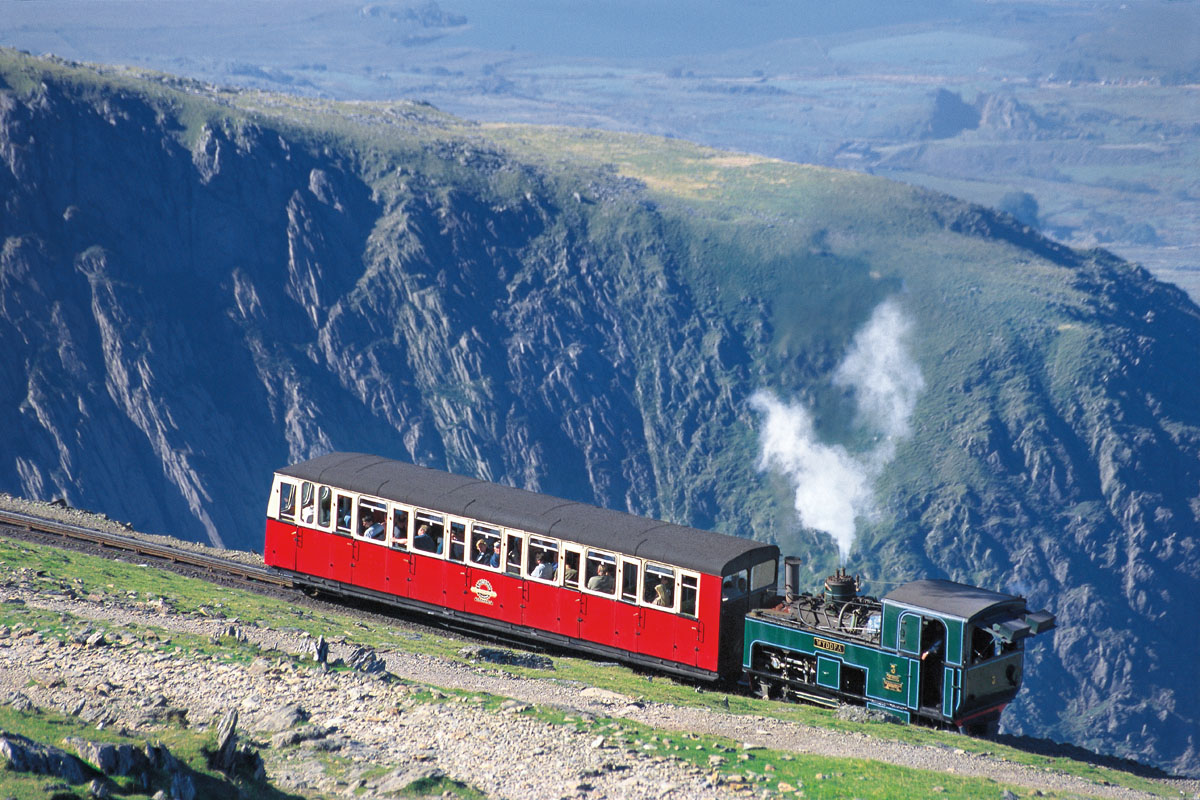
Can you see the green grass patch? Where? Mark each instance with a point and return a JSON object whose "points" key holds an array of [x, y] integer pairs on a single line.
{"points": [[188, 746], [86, 575]]}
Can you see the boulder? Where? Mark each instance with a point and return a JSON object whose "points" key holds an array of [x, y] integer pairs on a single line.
{"points": [[364, 659], [111, 759], [495, 655], [26, 755], [223, 758], [286, 717], [182, 787]]}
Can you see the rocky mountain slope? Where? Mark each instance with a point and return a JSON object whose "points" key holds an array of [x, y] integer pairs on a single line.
{"points": [[199, 285]]}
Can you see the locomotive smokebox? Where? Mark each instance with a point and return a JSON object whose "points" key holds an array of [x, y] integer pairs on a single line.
{"points": [[840, 587]]}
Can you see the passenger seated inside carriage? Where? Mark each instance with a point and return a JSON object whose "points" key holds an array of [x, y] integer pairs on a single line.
{"points": [[425, 542]]}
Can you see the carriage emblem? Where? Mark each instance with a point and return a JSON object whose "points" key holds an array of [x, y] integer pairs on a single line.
{"points": [[483, 591]]}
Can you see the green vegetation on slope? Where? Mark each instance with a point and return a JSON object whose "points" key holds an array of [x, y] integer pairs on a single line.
{"points": [[56, 572]]}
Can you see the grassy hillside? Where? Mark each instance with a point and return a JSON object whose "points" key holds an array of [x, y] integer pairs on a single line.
{"points": [[101, 584]]}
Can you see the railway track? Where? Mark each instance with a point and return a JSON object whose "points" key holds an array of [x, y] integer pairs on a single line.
{"points": [[45, 529], [258, 578]]}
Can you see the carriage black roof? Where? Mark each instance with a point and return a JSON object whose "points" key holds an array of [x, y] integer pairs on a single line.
{"points": [[952, 599], [691, 548]]}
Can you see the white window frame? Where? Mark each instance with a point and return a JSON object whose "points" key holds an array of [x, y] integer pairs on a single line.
{"points": [[543, 544], [679, 584], [397, 541], [338, 494], [657, 568], [604, 557], [448, 540], [577, 551], [622, 590], [277, 500], [329, 523], [374, 505], [415, 526], [487, 531]]}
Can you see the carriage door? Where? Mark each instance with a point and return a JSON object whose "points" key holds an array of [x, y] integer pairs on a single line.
{"points": [[283, 535], [573, 601], [454, 588], [341, 546], [628, 617]]}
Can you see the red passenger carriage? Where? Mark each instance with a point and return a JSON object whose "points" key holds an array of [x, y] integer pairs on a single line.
{"points": [[521, 563]]}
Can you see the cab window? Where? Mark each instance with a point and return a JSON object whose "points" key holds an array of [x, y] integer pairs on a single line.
{"points": [[763, 575], [984, 645], [734, 586]]}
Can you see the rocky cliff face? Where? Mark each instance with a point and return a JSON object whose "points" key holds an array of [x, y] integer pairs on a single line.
{"points": [[192, 295]]}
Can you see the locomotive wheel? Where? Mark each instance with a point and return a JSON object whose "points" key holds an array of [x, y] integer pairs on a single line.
{"points": [[765, 688]]}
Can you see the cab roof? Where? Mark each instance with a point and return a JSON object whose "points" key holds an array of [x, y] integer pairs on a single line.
{"points": [[690, 548], [953, 599]]}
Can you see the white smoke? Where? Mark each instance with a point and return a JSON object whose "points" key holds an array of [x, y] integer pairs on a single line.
{"points": [[834, 486]]}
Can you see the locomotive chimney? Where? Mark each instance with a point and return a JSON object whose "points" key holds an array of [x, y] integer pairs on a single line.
{"points": [[840, 587], [791, 578]]}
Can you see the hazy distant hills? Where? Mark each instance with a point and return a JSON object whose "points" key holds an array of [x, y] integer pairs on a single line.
{"points": [[200, 285], [1085, 111]]}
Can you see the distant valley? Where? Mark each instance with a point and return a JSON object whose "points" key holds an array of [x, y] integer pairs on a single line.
{"points": [[1080, 118]]}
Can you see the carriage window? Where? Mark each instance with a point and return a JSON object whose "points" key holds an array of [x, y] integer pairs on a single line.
{"points": [[324, 506], [762, 575], [307, 503], [431, 530], [629, 581], [399, 527], [689, 592], [458, 540], [485, 545], [512, 558], [659, 585], [542, 558], [345, 513], [372, 520], [601, 571], [571, 569], [287, 500]]}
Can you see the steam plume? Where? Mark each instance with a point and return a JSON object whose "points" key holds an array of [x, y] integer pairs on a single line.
{"points": [[833, 485]]}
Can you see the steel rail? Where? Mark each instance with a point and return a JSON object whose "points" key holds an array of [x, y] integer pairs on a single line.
{"points": [[141, 547]]}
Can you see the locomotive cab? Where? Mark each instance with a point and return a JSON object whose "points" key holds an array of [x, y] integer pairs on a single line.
{"points": [[967, 646]]}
